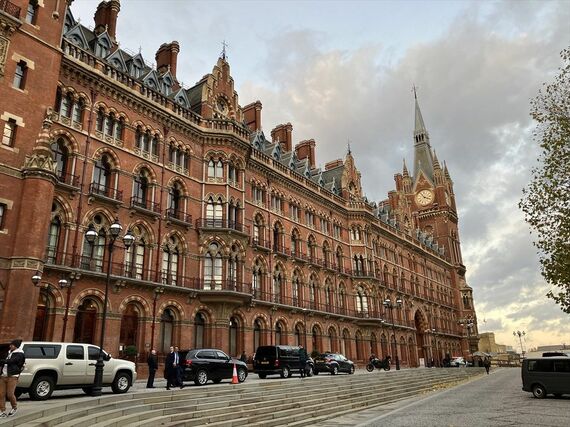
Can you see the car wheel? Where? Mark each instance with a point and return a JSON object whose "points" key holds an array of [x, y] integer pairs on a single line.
{"points": [[262, 376], [42, 388], [351, 370], [201, 377], [121, 383], [87, 390], [242, 375], [539, 391], [334, 370], [285, 372], [217, 381]]}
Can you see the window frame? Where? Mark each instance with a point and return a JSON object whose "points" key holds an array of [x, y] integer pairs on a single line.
{"points": [[20, 74], [9, 132]]}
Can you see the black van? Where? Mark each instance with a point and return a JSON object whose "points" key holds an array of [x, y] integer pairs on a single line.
{"points": [[546, 375], [277, 359]]}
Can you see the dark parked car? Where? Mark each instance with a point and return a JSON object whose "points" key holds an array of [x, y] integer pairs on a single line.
{"points": [[333, 363], [279, 359], [204, 364]]}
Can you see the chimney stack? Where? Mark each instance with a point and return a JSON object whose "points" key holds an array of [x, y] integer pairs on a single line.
{"points": [[167, 56], [306, 149], [284, 134], [106, 17], [252, 115], [333, 164]]}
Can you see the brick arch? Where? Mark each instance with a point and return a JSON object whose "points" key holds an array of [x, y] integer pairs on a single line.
{"points": [[215, 197], [142, 223], [89, 215], [67, 137], [144, 165], [96, 295], [263, 262], [137, 299], [204, 309], [67, 210], [239, 313], [178, 310], [224, 247], [239, 245], [180, 238], [217, 154], [183, 186], [101, 105], [53, 293], [106, 150], [261, 316]]}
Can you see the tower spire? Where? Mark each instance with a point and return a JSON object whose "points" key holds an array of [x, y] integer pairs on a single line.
{"points": [[423, 156], [405, 172]]}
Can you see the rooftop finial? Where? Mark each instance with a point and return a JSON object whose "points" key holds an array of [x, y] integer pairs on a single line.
{"points": [[224, 46], [348, 150], [414, 90]]}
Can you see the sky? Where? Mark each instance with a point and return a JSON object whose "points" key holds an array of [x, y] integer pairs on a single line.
{"points": [[343, 71]]}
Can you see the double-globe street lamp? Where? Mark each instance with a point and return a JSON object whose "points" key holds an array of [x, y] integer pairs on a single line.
{"points": [[390, 306], [128, 239]]}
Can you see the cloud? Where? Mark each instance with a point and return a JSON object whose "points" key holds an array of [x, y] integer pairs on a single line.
{"points": [[475, 83]]}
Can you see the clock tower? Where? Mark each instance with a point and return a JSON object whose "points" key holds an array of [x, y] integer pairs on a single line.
{"points": [[428, 197]]}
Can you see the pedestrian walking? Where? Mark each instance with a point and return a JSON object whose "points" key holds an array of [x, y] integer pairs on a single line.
{"points": [[10, 369], [169, 371], [303, 357], [487, 365], [243, 357], [179, 368], [152, 363]]}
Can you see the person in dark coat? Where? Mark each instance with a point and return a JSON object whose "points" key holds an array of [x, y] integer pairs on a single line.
{"points": [[10, 369], [303, 357], [152, 363], [179, 368], [243, 357], [487, 365], [169, 369]]}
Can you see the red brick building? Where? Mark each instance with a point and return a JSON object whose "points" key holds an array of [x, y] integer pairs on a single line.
{"points": [[239, 239]]}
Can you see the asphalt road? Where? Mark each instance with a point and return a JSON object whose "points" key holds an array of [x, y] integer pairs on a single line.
{"points": [[495, 400]]}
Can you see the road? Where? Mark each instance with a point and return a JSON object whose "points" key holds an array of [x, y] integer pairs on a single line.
{"points": [[495, 400]]}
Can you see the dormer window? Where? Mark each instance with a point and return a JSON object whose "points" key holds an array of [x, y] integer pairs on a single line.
{"points": [[117, 64], [102, 48]]}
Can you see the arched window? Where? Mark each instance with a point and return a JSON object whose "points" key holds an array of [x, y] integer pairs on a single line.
{"points": [[313, 292], [219, 169], [232, 174], [66, 105], [102, 176], [257, 279], [258, 230], [277, 234], [213, 267], [170, 256], [330, 297], [361, 301], [140, 189], [233, 215], [278, 280], [93, 253], [256, 334], [312, 248], [298, 335], [214, 215], [135, 255], [102, 47], [342, 299], [211, 169], [339, 259], [174, 201], [234, 275], [60, 155], [53, 239], [295, 248], [296, 289], [199, 330], [326, 254], [278, 333], [166, 330]]}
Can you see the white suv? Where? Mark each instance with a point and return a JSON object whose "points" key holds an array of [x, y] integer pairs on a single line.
{"points": [[55, 365]]}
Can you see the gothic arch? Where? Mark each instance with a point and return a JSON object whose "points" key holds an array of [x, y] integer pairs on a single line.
{"points": [[144, 165], [174, 306], [96, 295], [105, 150], [68, 138], [138, 300]]}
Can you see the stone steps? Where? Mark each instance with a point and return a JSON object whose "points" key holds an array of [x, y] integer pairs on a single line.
{"points": [[271, 403]]}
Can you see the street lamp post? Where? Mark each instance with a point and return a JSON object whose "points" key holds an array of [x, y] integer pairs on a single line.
{"points": [[67, 284], [390, 306], [520, 334], [91, 234], [157, 292]]}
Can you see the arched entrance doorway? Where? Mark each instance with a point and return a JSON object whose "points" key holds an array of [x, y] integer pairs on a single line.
{"points": [[85, 320], [130, 327], [42, 316], [421, 338], [166, 330]]}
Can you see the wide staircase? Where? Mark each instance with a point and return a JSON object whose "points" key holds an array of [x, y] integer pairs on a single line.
{"points": [[273, 402]]}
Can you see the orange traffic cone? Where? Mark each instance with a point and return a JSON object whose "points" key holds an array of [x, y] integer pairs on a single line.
{"points": [[234, 376]]}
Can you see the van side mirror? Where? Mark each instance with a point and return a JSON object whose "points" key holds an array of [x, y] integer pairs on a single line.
{"points": [[107, 357]]}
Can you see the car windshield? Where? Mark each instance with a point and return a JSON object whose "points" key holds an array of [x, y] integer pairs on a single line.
{"points": [[266, 351]]}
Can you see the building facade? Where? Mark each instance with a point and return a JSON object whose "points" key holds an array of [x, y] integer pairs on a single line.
{"points": [[238, 239]]}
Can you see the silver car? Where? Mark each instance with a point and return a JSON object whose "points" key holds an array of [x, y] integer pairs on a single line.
{"points": [[55, 365]]}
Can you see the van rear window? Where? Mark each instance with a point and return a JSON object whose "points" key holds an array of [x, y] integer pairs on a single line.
{"points": [[36, 351], [265, 351]]}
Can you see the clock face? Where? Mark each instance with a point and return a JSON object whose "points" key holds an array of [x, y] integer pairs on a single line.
{"points": [[424, 197], [221, 106]]}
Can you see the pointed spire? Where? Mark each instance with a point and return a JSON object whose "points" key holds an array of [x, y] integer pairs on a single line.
{"points": [[445, 171], [420, 127], [405, 172], [435, 161]]}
